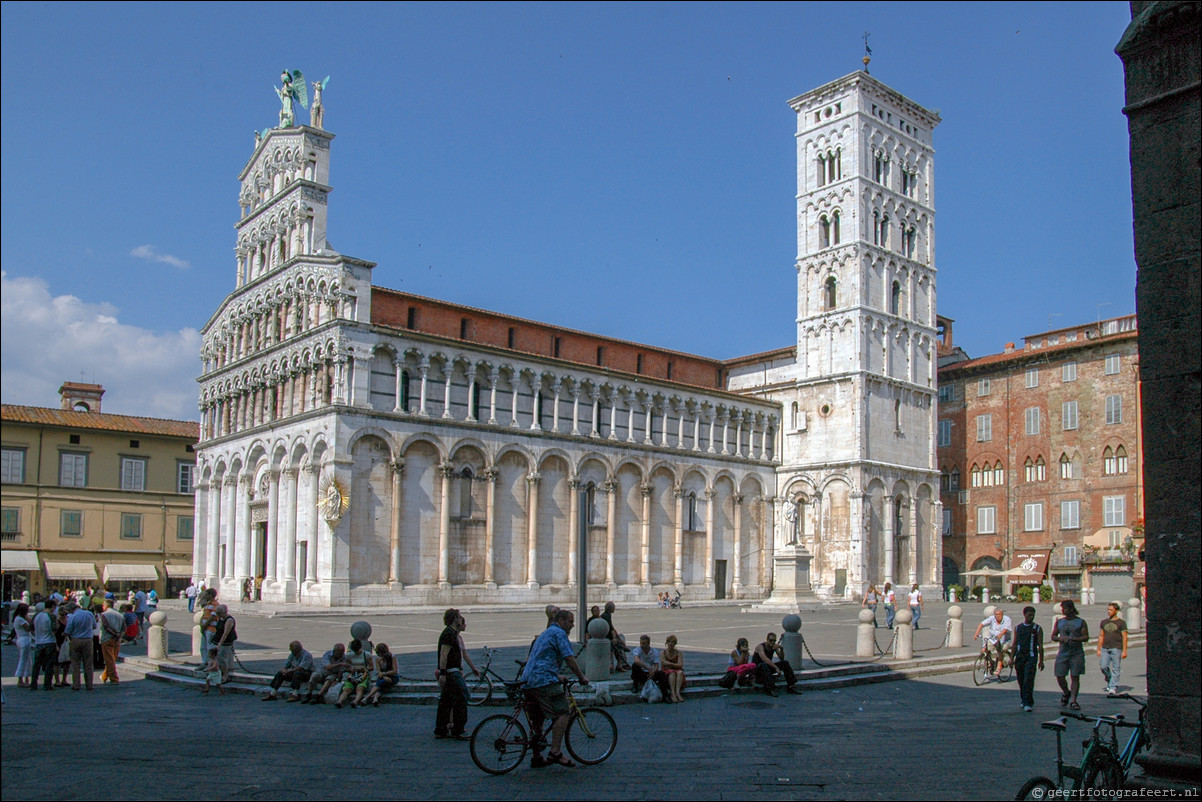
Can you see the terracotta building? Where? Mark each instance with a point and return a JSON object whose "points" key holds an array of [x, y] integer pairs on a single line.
{"points": [[92, 498], [1040, 460]]}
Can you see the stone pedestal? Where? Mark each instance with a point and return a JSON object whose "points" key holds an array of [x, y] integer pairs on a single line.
{"points": [[596, 652], [903, 644], [790, 640], [198, 637], [1131, 615], [1035, 595], [790, 581], [156, 636], [866, 634], [955, 636]]}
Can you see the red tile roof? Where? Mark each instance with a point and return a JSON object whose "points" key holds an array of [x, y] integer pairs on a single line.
{"points": [[69, 419], [1029, 354]]}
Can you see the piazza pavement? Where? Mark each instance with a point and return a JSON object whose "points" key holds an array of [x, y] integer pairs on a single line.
{"points": [[937, 737]]}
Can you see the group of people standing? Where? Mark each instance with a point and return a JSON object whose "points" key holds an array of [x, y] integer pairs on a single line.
{"points": [[56, 638], [888, 598]]}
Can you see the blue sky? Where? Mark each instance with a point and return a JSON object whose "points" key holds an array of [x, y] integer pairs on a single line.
{"points": [[626, 169]]}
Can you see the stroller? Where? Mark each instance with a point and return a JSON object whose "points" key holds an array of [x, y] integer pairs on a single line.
{"points": [[674, 602]]}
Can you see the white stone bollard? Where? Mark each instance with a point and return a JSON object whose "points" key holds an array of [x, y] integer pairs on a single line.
{"points": [[596, 651], [951, 595], [156, 636], [985, 595], [1035, 595], [955, 636], [988, 611], [790, 640], [198, 637], [903, 643], [1131, 615], [865, 634]]}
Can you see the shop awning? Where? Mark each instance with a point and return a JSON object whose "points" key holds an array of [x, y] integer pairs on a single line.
{"points": [[1033, 565], [13, 560], [86, 571], [178, 570], [117, 572]]}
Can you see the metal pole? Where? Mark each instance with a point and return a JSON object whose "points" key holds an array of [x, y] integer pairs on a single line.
{"points": [[581, 564]]}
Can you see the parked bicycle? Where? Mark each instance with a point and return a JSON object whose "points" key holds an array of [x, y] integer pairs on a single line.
{"points": [[1103, 766], [500, 742], [480, 687]]}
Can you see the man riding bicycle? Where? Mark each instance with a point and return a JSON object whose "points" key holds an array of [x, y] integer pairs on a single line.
{"points": [[543, 689], [999, 632]]}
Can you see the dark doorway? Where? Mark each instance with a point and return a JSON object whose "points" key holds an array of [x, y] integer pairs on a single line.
{"points": [[720, 579]]}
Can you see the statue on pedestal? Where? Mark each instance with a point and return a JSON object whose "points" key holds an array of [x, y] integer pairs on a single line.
{"points": [[317, 114]]}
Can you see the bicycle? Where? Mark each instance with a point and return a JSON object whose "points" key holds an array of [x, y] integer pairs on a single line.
{"points": [[479, 687], [1102, 766], [500, 742], [987, 663]]}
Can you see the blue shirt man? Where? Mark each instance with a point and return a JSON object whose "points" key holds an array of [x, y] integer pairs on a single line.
{"points": [[544, 694]]}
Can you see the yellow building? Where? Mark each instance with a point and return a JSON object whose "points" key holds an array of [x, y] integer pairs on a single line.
{"points": [[91, 498]]}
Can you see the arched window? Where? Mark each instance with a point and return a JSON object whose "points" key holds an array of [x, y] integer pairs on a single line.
{"points": [[977, 476], [835, 238], [911, 237], [1035, 470], [885, 231], [838, 162], [895, 298], [404, 391], [465, 493], [821, 169], [690, 514], [876, 228], [831, 294], [999, 474], [1120, 460], [475, 400], [590, 504], [793, 411], [955, 479], [1114, 461], [824, 232], [1066, 467]]}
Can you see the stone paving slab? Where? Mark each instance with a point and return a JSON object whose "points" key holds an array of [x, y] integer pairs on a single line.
{"points": [[931, 738]]}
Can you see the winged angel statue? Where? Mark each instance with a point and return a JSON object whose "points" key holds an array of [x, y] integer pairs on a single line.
{"points": [[293, 89]]}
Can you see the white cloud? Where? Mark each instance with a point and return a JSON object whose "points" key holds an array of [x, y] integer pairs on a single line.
{"points": [[48, 339], [150, 253]]}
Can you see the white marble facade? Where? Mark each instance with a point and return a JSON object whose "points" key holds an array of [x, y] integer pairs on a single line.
{"points": [[473, 473]]}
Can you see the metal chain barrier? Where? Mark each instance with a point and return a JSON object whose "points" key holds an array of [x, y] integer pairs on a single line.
{"points": [[813, 659]]}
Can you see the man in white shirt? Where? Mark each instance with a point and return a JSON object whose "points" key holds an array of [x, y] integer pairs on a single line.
{"points": [[644, 665], [1000, 633]]}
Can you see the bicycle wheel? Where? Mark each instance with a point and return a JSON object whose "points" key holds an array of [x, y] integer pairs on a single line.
{"points": [[1007, 671], [479, 690], [1037, 788], [980, 669], [498, 744], [592, 736], [1102, 771]]}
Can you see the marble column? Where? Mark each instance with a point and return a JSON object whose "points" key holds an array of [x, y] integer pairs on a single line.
{"points": [[611, 533], [532, 482], [213, 567], [573, 530], [230, 520], [493, 378], [737, 582], [888, 535], [448, 369], [290, 502], [424, 368], [646, 488], [272, 530], [242, 494], [446, 471], [710, 496], [678, 567], [394, 551], [490, 529], [311, 471]]}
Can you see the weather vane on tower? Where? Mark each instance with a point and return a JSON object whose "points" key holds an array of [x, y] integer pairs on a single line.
{"points": [[867, 52]]}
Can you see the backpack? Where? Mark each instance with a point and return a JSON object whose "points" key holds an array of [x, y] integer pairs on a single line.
{"points": [[131, 626]]}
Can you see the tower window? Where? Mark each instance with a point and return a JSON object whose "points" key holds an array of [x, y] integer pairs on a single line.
{"points": [[557, 343], [824, 232], [600, 354], [638, 365], [411, 320], [835, 228], [830, 295], [511, 336], [895, 299], [463, 328]]}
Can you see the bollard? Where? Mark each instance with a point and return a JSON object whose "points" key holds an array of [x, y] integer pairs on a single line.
{"points": [[198, 637], [903, 643], [866, 634], [988, 611], [985, 595], [951, 595], [156, 636], [1035, 595], [596, 651], [1131, 615], [955, 635], [790, 640]]}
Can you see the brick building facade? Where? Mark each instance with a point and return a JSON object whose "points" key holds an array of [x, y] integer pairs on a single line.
{"points": [[1039, 455]]}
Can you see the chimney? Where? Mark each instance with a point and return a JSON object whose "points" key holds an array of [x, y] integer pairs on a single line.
{"points": [[1009, 349], [80, 397]]}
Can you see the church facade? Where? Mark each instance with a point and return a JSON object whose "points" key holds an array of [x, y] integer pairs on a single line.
{"points": [[363, 446]]}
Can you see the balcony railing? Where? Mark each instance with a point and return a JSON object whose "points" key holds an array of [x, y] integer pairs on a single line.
{"points": [[10, 537]]}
